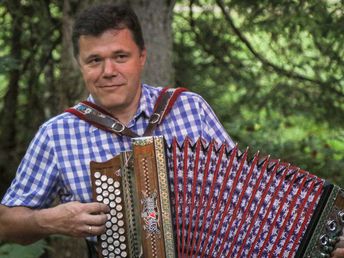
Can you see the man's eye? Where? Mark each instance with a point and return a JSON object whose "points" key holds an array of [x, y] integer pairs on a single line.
{"points": [[121, 57], [95, 60]]}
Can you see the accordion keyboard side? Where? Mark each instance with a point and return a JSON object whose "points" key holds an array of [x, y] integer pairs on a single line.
{"points": [[112, 187], [326, 225]]}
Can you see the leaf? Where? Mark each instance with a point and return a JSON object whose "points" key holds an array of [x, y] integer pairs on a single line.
{"points": [[34, 250]]}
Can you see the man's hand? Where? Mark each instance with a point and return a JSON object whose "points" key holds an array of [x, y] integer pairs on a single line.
{"points": [[74, 219], [24, 225], [339, 249]]}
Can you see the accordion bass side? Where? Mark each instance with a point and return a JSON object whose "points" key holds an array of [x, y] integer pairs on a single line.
{"points": [[193, 200]]}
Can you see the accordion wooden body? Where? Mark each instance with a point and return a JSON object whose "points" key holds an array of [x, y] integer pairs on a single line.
{"points": [[196, 200]]}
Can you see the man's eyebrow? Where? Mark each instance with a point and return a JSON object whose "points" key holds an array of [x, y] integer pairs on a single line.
{"points": [[91, 56], [121, 51]]}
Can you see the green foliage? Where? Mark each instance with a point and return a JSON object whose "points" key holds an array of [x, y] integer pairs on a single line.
{"points": [[273, 72], [15, 251]]}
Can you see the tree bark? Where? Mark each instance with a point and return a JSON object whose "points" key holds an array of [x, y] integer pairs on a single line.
{"points": [[9, 111], [156, 20]]}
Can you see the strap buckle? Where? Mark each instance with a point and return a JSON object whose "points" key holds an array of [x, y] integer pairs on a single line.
{"points": [[154, 118], [117, 127]]}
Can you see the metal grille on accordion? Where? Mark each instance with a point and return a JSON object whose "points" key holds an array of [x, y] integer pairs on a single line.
{"points": [[196, 200]]}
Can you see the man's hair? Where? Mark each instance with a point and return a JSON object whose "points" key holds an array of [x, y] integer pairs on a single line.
{"points": [[97, 19]]}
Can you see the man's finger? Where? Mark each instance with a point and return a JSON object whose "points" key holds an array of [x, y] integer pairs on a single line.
{"points": [[97, 207]]}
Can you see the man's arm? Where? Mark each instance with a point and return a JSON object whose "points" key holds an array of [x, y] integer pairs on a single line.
{"points": [[24, 225]]}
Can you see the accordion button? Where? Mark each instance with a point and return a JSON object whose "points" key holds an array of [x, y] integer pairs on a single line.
{"points": [[110, 181], [114, 220], [104, 186], [116, 235], [97, 174], [103, 237], [341, 216], [104, 245], [110, 240], [122, 246], [103, 178], [111, 196], [105, 193], [98, 190], [324, 240], [111, 248], [117, 192], [112, 204], [106, 201], [117, 184], [105, 252], [121, 231], [124, 254], [113, 212], [120, 215], [118, 200], [97, 182], [332, 225], [116, 243], [99, 198], [111, 188], [115, 228], [120, 223], [108, 224]]}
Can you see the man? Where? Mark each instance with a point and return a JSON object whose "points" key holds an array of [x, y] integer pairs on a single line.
{"points": [[109, 48]]}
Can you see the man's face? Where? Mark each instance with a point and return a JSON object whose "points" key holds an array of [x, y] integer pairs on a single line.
{"points": [[111, 65]]}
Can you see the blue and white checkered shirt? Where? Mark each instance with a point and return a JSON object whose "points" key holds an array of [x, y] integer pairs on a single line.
{"points": [[56, 163]]}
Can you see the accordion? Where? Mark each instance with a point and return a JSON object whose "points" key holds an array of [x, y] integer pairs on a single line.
{"points": [[202, 200]]}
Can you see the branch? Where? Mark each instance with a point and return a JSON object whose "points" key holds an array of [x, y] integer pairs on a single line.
{"points": [[261, 58], [265, 61]]}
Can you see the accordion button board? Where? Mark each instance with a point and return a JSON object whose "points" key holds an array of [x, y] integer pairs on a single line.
{"points": [[195, 200]]}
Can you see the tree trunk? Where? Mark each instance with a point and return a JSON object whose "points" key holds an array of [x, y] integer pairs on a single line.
{"points": [[9, 111], [156, 21]]}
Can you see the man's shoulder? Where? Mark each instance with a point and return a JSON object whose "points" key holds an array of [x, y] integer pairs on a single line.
{"points": [[62, 120], [187, 95]]}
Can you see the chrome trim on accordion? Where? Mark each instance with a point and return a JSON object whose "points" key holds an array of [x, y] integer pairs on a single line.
{"points": [[197, 200]]}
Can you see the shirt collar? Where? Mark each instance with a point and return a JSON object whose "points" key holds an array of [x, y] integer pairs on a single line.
{"points": [[145, 107]]}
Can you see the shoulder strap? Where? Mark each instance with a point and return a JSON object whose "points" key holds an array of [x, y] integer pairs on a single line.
{"points": [[162, 107], [100, 118]]}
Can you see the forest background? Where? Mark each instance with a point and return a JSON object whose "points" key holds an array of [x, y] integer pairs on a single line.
{"points": [[273, 71]]}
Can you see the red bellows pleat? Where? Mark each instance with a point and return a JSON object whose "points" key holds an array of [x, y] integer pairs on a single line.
{"points": [[193, 192], [210, 197], [202, 198]]}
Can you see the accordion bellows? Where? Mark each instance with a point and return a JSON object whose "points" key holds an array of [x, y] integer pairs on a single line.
{"points": [[196, 200]]}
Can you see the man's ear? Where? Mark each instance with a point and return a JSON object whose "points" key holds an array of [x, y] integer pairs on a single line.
{"points": [[143, 56]]}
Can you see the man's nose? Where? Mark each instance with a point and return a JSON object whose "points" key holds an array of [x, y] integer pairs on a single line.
{"points": [[110, 69]]}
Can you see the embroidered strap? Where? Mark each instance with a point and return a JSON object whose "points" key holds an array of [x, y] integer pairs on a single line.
{"points": [[102, 119]]}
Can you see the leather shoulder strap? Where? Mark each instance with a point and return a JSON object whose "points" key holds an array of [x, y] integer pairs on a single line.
{"points": [[162, 107], [100, 118]]}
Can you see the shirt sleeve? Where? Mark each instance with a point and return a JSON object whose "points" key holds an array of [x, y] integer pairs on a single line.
{"points": [[35, 183], [212, 127]]}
